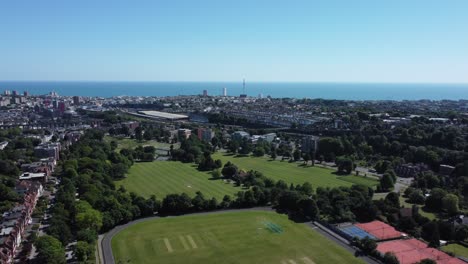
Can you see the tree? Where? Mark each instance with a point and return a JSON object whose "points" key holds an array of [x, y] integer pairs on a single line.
{"points": [[216, 174], [434, 201], [428, 261], [386, 182], [416, 197], [393, 200], [450, 203], [273, 155], [87, 217], [296, 155], [259, 152], [390, 258], [229, 170], [345, 165], [83, 251], [50, 250], [368, 245], [461, 233], [309, 208]]}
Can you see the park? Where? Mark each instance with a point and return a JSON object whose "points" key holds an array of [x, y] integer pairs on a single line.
{"points": [[227, 237]]}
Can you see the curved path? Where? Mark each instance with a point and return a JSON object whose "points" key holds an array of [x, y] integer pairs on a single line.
{"points": [[105, 244]]}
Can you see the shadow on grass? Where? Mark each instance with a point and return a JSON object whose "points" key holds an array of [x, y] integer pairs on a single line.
{"points": [[228, 154], [340, 173]]}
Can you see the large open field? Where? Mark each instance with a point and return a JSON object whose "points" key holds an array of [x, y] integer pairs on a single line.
{"points": [[165, 177], [132, 143], [229, 237], [294, 172]]}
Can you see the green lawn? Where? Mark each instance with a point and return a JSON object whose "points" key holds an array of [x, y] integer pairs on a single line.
{"points": [[132, 143], [456, 249], [165, 177], [295, 172], [229, 237], [429, 215]]}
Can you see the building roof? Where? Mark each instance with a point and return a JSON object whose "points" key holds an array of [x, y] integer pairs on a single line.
{"points": [[165, 115]]}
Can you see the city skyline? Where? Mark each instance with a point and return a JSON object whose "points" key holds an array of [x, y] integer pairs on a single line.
{"points": [[363, 41]]}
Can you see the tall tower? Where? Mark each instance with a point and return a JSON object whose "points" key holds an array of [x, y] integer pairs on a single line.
{"points": [[243, 86], [224, 91], [243, 95]]}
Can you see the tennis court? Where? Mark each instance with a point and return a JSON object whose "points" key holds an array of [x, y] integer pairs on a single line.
{"points": [[380, 230], [355, 231], [412, 251]]}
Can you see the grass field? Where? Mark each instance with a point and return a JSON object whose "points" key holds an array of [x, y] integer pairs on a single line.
{"points": [[294, 172], [132, 143], [456, 249], [165, 177], [230, 237]]}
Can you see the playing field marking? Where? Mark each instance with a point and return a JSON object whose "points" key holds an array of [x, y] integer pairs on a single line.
{"points": [[190, 239], [184, 243], [168, 245], [307, 260], [292, 261]]}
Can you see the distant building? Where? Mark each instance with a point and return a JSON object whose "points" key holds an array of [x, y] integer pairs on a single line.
{"points": [[205, 134], [131, 125], [76, 100], [205, 93], [15, 93], [410, 170], [40, 176], [3, 144], [14, 222], [61, 107], [7, 92], [184, 133], [446, 170], [48, 150], [224, 91], [309, 144], [239, 135], [26, 93]]}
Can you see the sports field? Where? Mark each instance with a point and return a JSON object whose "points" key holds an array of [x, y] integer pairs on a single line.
{"points": [[166, 177], [295, 172], [229, 237], [132, 143], [456, 249]]}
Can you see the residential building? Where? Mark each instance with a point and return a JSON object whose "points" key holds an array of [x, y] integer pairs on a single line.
{"points": [[446, 170], [48, 150], [410, 170], [239, 135], [184, 133], [309, 144], [205, 134], [15, 221]]}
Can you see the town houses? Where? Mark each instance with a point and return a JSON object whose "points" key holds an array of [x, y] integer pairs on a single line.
{"points": [[14, 222]]}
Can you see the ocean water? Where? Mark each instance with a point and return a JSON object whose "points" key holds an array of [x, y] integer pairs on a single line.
{"points": [[346, 91]]}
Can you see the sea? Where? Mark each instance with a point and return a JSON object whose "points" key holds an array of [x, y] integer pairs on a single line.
{"points": [[340, 91]]}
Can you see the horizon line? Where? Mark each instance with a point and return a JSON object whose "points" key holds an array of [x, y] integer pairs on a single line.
{"points": [[239, 81]]}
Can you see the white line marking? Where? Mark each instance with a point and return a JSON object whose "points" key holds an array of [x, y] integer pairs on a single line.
{"points": [[307, 260], [168, 245], [184, 243], [190, 239]]}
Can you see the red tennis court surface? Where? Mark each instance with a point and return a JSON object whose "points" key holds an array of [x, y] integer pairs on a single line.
{"points": [[412, 250], [380, 230]]}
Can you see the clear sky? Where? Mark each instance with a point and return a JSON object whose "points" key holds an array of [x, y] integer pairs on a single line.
{"points": [[335, 41]]}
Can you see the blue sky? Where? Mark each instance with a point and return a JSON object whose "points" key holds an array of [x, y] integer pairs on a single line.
{"points": [[316, 41]]}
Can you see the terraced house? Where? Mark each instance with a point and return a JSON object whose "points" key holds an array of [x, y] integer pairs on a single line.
{"points": [[15, 221]]}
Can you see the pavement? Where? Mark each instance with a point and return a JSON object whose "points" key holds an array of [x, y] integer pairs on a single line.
{"points": [[105, 246]]}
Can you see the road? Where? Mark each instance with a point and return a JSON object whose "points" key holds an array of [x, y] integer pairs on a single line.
{"points": [[105, 246]]}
